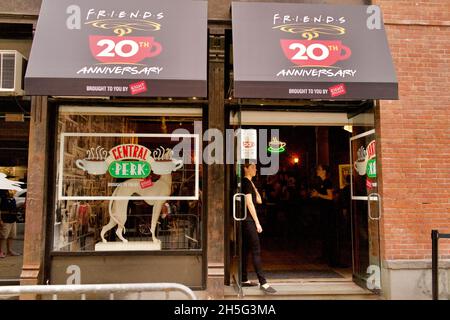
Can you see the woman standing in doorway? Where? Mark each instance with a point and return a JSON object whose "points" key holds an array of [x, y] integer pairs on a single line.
{"points": [[250, 229], [324, 193]]}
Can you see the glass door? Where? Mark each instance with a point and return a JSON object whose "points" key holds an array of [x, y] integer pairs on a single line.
{"points": [[366, 211], [237, 206]]}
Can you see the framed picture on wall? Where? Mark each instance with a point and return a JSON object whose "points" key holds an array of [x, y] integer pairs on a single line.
{"points": [[344, 171]]}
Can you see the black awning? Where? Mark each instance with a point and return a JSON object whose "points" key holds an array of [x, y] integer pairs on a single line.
{"points": [[149, 48], [308, 51]]}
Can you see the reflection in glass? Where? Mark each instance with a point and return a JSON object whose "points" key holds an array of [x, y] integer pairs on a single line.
{"points": [[89, 174]]}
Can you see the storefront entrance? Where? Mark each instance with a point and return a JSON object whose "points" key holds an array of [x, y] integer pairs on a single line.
{"points": [[301, 242]]}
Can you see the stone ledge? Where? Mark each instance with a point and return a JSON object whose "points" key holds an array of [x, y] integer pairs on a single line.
{"points": [[216, 270], [128, 246], [409, 22], [413, 264]]}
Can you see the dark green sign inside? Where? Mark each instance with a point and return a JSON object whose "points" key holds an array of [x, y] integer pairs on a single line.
{"points": [[371, 168], [129, 169]]}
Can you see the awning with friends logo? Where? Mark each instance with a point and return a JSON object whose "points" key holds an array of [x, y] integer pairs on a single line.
{"points": [[310, 51], [144, 48]]}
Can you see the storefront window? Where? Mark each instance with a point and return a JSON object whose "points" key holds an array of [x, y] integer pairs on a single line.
{"points": [[127, 180]]}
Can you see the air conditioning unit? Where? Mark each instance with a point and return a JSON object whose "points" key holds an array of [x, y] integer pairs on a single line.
{"points": [[12, 73]]}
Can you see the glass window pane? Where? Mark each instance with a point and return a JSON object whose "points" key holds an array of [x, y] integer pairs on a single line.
{"points": [[121, 176]]}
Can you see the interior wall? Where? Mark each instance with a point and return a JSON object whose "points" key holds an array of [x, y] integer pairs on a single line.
{"points": [[323, 155], [338, 151]]}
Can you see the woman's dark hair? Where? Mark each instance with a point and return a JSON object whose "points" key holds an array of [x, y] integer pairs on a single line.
{"points": [[324, 167], [247, 164]]}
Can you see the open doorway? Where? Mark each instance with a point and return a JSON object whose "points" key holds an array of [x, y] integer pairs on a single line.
{"points": [[300, 240], [300, 243]]}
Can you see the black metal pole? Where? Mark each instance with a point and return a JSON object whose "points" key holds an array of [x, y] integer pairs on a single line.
{"points": [[434, 264]]}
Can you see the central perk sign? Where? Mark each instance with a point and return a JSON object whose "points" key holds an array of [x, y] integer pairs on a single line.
{"points": [[116, 48], [311, 51], [99, 161], [119, 168], [129, 169]]}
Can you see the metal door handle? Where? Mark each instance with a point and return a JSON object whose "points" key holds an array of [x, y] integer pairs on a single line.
{"points": [[369, 196], [236, 195]]}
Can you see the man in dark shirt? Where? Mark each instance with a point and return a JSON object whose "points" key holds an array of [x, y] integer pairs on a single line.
{"points": [[8, 217], [324, 194]]}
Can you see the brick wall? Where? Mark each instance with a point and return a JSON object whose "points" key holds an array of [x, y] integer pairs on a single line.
{"points": [[415, 131], [429, 12]]}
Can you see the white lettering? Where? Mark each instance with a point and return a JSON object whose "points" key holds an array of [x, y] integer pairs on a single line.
{"points": [[146, 15], [374, 280], [283, 19], [133, 169], [90, 12], [121, 70], [73, 22], [141, 169], [276, 17], [117, 169], [187, 310], [122, 14], [374, 20], [101, 13], [316, 73], [75, 274], [96, 88]]}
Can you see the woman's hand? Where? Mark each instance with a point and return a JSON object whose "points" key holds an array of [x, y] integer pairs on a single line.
{"points": [[258, 198], [258, 228], [314, 194]]}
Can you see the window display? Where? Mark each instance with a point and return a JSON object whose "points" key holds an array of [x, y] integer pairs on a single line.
{"points": [[127, 182]]}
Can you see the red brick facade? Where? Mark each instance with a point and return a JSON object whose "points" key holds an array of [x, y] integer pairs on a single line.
{"points": [[415, 131]]}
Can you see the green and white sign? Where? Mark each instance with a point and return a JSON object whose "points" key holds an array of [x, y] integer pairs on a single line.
{"points": [[129, 169], [371, 168]]}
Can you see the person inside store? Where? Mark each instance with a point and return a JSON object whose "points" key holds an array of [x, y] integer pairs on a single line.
{"points": [[323, 192], [250, 229], [8, 218], [84, 212]]}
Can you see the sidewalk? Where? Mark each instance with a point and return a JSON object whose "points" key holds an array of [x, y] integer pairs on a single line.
{"points": [[11, 267]]}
